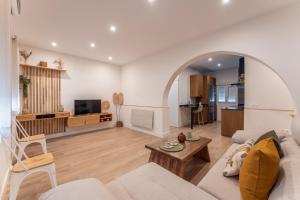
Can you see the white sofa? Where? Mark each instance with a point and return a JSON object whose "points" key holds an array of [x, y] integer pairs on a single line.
{"points": [[152, 182], [287, 187]]}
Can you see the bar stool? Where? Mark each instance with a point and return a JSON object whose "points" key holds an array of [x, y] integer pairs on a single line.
{"points": [[199, 113]]}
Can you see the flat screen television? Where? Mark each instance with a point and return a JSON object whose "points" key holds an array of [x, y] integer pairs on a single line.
{"points": [[87, 106]]}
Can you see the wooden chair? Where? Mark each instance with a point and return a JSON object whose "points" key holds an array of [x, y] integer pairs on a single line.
{"points": [[27, 139], [23, 168]]}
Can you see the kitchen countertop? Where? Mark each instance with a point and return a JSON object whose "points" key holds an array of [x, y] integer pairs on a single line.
{"points": [[233, 108]]}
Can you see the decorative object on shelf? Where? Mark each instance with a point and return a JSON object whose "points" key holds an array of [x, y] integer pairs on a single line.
{"points": [[105, 106], [61, 108], [25, 55], [242, 78], [43, 64], [118, 100], [59, 63], [181, 138]]}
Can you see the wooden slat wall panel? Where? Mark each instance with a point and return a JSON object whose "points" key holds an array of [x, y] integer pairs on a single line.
{"points": [[45, 126], [43, 97], [43, 91]]}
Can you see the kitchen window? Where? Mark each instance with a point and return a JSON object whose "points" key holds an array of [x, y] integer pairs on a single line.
{"points": [[232, 94], [221, 93]]}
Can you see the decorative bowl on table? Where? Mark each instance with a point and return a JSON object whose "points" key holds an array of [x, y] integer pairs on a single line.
{"points": [[172, 146], [191, 137]]}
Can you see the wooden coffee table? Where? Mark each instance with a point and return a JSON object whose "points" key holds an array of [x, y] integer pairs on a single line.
{"points": [[178, 162]]}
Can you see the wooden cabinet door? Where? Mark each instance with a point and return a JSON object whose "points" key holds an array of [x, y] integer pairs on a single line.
{"points": [[76, 122], [196, 85], [92, 120], [232, 120]]}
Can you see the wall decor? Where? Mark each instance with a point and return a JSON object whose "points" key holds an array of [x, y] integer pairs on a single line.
{"points": [[59, 63], [25, 54]]}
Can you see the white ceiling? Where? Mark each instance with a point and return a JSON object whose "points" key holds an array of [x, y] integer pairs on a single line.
{"points": [[142, 28], [227, 61]]}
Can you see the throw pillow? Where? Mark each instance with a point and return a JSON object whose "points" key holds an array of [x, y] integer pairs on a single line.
{"points": [[259, 171], [235, 160], [273, 135]]}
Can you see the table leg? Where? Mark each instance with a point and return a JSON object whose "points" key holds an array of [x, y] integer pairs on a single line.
{"points": [[181, 170], [203, 154]]}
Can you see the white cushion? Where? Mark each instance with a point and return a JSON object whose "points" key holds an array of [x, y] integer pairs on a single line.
{"points": [[296, 128], [91, 189], [216, 184], [288, 184], [152, 182], [236, 159], [241, 136]]}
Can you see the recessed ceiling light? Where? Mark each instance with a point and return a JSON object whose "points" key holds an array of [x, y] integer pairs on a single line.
{"points": [[219, 65], [54, 44], [226, 1], [93, 45], [110, 58], [210, 59], [113, 28], [151, 1]]}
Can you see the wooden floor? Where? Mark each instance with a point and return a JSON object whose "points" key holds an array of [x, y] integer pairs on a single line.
{"points": [[108, 154]]}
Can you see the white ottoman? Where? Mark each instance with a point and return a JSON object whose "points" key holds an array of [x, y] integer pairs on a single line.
{"points": [[86, 189]]}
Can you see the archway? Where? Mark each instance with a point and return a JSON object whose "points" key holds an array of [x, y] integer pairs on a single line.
{"points": [[211, 54]]}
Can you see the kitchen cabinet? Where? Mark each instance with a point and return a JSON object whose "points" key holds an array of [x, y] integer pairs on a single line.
{"points": [[196, 86], [204, 88], [232, 120]]}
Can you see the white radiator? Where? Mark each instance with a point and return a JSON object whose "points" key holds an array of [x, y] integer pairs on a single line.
{"points": [[142, 118]]}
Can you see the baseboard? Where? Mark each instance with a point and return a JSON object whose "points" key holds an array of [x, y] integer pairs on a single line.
{"points": [[5, 181], [77, 131], [150, 132]]}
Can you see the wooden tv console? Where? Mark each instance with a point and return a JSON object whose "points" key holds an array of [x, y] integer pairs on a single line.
{"points": [[52, 123], [88, 120]]}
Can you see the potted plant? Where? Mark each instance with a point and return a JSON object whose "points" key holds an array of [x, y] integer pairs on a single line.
{"points": [[24, 82]]}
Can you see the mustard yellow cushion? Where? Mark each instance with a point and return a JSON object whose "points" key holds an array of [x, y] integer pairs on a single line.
{"points": [[259, 171]]}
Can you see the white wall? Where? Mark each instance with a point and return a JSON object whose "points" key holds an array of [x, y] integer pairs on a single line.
{"points": [[225, 77], [268, 104], [180, 94], [84, 79], [273, 39], [173, 103], [184, 95], [5, 89]]}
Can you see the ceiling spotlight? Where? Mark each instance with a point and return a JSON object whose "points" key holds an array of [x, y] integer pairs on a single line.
{"points": [[226, 1], [210, 59], [54, 44], [113, 28], [219, 65], [110, 58], [93, 45], [151, 1]]}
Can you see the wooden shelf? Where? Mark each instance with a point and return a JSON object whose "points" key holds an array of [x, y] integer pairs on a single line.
{"points": [[35, 116], [40, 67], [105, 117]]}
